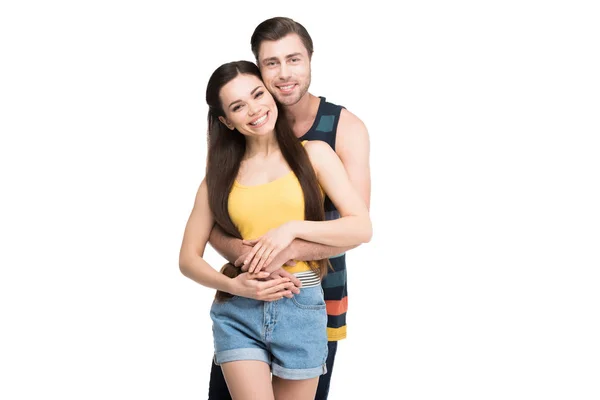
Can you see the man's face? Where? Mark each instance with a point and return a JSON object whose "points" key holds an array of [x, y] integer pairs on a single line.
{"points": [[285, 68]]}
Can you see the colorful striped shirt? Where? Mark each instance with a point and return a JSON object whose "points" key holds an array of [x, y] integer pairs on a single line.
{"points": [[334, 283]]}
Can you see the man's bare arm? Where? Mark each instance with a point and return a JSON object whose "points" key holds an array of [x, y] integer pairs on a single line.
{"points": [[352, 145], [300, 250], [229, 247], [234, 251], [303, 250]]}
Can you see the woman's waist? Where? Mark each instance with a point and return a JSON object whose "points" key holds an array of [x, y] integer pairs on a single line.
{"points": [[302, 271], [301, 266]]}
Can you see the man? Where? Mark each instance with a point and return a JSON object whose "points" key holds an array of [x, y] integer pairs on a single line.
{"points": [[283, 50]]}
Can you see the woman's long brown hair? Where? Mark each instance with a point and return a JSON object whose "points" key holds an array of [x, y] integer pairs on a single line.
{"points": [[226, 149]]}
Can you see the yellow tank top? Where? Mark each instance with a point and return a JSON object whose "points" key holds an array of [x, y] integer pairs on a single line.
{"points": [[257, 209]]}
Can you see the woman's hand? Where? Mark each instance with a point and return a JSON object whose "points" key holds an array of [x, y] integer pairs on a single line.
{"points": [[251, 286], [268, 246]]}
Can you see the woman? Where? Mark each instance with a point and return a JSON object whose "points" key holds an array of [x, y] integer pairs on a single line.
{"points": [[263, 185]]}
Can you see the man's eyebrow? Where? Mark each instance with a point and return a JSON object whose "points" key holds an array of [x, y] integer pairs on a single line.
{"points": [[269, 59], [251, 93], [297, 54]]}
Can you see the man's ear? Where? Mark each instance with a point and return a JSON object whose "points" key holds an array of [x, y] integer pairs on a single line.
{"points": [[226, 123]]}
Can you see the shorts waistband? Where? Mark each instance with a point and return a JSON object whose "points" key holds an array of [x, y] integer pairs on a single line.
{"points": [[308, 278]]}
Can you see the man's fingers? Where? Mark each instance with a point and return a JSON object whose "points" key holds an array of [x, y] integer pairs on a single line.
{"points": [[284, 274], [297, 283], [290, 263], [240, 261]]}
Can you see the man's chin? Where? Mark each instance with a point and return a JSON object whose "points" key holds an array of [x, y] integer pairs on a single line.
{"points": [[288, 101]]}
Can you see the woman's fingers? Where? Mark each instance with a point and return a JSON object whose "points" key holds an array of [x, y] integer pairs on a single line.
{"points": [[264, 257], [252, 259], [274, 289], [285, 285]]}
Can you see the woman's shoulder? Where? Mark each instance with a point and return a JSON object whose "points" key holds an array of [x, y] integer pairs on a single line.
{"points": [[319, 152], [316, 146]]}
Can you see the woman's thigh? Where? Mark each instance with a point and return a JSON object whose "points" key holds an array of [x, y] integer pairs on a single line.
{"points": [[285, 389], [248, 380]]}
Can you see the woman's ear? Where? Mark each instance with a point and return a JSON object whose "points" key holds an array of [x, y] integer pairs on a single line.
{"points": [[226, 123]]}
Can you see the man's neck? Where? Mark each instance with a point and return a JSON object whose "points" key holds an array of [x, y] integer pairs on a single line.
{"points": [[302, 114]]}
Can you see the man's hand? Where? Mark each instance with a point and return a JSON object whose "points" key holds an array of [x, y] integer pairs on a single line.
{"points": [[281, 273], [239, 262], [250, 285]]}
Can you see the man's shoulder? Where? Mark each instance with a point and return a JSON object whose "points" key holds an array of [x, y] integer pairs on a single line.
{"points": [[350, 124], [346, 117]]}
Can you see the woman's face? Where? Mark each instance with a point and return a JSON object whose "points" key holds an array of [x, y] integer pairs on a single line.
{"points": [[248, 106]]}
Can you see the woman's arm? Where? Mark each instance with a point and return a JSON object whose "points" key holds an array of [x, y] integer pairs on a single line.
{"points": [[196, 234], [354, 226], [193, 266]]}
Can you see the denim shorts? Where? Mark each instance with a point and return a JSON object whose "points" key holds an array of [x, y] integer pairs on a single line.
{"points": [[288, 334]]}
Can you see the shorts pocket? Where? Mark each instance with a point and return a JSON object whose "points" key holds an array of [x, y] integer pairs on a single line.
{"points": [[310, 299]]}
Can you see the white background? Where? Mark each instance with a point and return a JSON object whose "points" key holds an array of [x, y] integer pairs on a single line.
{"points": [[481, 281]]}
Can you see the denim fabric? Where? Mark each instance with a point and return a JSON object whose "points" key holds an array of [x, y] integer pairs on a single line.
{"points": [[288, 334]]}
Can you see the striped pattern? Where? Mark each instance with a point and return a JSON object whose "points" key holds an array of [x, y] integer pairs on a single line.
{"points": [[308, 278], [335, 282]]}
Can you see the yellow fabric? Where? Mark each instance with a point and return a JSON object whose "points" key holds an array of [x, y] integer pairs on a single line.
{"points": [[335, 334], [257, 209]]}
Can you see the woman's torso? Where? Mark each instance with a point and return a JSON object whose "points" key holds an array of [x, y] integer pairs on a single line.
{"points": [[256, 209]]}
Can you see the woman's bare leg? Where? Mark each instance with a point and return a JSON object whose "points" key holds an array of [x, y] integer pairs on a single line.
{"points": [[286, 389], [248, 380]]}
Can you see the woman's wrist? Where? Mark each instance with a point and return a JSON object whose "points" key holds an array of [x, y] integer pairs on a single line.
{"points": [[295, 228], [229, 286]]}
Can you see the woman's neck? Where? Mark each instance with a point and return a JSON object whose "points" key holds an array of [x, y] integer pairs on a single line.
{"points": [[261, 146]]}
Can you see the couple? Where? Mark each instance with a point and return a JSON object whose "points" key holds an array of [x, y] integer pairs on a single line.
{"points": [[287, 185]]}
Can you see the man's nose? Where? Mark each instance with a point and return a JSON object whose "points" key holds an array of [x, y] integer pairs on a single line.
{"points": [[284, 72]]}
